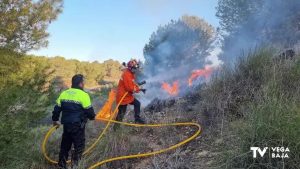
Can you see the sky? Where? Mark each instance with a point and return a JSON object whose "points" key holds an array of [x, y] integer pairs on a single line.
{"points": [[98, 30]]}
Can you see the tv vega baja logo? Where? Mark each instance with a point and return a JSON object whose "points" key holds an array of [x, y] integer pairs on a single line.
{"points": [[275, 152]]}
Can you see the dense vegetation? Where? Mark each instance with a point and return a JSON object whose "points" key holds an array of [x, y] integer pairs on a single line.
{"points": [[24, 23], [28, 87], [252, 100], [95, 73], [25, 80], [29, 84], [24, 100], [256, 104]]}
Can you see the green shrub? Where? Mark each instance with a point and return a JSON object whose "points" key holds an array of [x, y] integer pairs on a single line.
{"points": [[23, 101], [259, 100]]}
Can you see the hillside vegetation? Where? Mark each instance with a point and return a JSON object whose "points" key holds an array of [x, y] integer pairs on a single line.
{"points": [[253, 104], [95, 73], [250, 100], [24, 100], [256, 103], [29, 87]]}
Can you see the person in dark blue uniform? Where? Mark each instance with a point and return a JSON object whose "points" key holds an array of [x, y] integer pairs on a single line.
{"points": [[75, 105]]}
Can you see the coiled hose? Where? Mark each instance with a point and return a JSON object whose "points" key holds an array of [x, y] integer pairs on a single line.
{"points": [[109, 121]]}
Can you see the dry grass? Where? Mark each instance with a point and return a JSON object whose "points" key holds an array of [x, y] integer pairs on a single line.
{"points": [[256, 103]]}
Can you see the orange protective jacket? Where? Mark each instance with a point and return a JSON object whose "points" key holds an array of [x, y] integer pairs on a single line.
{"points": [[127, 84]]}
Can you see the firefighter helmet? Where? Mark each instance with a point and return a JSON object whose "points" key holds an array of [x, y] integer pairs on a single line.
{"points": [[133, 64]]}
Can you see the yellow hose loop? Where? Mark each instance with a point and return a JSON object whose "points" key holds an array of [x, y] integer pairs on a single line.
{"points": [[49, 133], [51, 130], [154, 152], [106, 127]]}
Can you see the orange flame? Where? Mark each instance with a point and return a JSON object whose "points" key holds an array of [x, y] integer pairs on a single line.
{"points": [[172, 90], [106, 111], [206, 72]]}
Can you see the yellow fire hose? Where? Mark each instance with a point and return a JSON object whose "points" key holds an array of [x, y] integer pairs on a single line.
{"points": [[88, 150]]}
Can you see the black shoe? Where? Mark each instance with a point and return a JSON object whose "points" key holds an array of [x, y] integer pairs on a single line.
{"points": [[139, 121]]}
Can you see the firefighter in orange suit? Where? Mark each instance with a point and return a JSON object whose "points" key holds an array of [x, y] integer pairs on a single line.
{"points": [[127, 84]]}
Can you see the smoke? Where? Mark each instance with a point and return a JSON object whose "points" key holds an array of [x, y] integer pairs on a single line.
{"points": [[180, 75], [174, 52], [271, 22], [182, 47], [214, 52]]}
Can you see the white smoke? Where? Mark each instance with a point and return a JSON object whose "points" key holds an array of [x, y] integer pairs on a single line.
{"points": [[270, 22], [180, 72]]}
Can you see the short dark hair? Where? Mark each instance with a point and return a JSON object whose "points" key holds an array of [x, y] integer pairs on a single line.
{"points": [[77, 79]]}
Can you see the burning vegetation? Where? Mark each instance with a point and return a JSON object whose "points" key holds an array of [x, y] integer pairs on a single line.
{"points": [[173, 52], [171, 90], [254, 101], [206, 73]]}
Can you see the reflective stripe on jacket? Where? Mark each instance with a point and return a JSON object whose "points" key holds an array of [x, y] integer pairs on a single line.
{"points": [[75, 105]]}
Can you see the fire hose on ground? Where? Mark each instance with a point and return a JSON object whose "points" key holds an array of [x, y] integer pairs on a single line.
{"points": [[109, 121]]}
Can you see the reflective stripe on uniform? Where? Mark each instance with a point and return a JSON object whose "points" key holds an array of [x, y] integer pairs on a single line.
{"points": [[70, 101]]}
